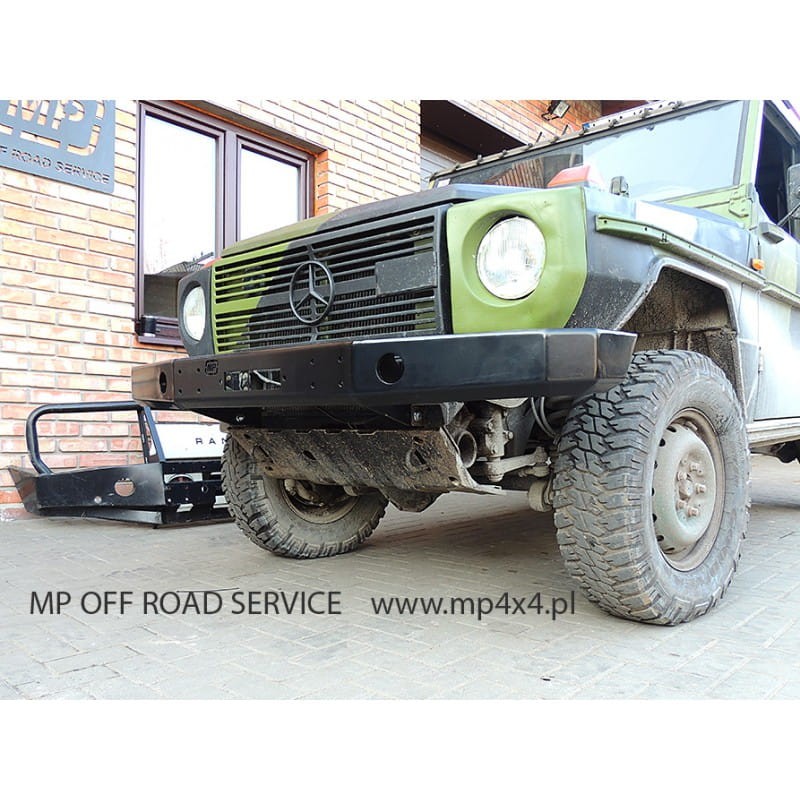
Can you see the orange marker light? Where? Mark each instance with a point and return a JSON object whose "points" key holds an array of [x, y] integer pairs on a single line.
{"points": [[582, 175], [757, 264]]}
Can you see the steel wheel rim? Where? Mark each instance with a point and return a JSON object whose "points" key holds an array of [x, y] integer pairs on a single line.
{"points": [[687, 490], [317, 503]]}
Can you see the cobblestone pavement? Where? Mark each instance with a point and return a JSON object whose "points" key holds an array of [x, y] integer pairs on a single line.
{"points": [[462, 546]]}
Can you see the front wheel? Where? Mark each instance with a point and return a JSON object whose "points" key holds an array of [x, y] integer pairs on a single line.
{"points": [[652, 489], [295, 518]]}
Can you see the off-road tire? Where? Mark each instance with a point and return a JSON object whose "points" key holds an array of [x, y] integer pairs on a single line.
{"points": [[605, 489], [268, 516]]}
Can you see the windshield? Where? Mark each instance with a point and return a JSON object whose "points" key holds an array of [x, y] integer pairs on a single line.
{"points": [[670, 157]]}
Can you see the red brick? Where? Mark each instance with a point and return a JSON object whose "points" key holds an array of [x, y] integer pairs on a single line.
{"points": [[24, 296], [30, 313], [106, 338], [14, 410], [99, 397], [61, 270], [29, 280], [83, 445], [82, 288], [14, 396], [108, 429], [123, 206], [77, 320], [66, 428], [61, 207], [81, 351], [16, 261], [10, 377], [28, 248], [61, 237], [111, 248], [44, 364], [125, 445], [120, 295], [115, 219], [108, 368], [11, 195], [101, 460], [13, 361], [78, 382], [125, 265], [121, 325], [120, 386], [14, 445], [71, 302], [112, 277], [56, 333], [9, 428], [82, 226], [8, 496], [32, 346], [108, 309], [10, 227], [41, 396], [31, 183], [81, 257]]}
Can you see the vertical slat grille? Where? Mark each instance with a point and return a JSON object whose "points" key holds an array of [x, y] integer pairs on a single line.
{"points": [[385, 274]]}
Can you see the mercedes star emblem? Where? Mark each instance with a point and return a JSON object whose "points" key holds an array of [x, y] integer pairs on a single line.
{"points": [[311, 292]]}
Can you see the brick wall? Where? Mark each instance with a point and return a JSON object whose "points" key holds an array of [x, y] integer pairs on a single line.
{"points": [[67, 260], [66, 316], [523, 118]]}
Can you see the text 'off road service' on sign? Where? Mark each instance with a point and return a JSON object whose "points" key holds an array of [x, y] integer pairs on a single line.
{"points": [[71, 141]]}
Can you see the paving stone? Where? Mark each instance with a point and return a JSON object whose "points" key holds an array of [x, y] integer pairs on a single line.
{"points": [[92, 658], [49, 685], [8, 692], [147, 671], [789, 691], [462, 547], [120, 688], [747, 684]]}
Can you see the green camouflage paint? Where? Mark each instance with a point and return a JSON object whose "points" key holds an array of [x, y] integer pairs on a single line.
{"points": [[561, 216], [226, 276]]}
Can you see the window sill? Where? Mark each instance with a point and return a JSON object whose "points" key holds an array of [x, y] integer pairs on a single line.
{"points": [[164, 341]]}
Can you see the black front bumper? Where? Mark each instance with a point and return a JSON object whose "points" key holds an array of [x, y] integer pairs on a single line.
{"points": [[389, 372]]}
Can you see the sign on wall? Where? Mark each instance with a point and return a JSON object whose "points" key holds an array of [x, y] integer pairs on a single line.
{"points": [[71, 141]]}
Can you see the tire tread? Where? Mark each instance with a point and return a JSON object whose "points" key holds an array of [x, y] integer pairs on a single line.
{"points": [[602, 452]]}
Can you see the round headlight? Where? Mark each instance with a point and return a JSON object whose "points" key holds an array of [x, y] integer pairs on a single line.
{"points": [[194, 313], [511, 258]]}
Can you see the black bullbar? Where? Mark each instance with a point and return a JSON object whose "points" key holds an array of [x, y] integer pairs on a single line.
{"points": [[375, 372]]}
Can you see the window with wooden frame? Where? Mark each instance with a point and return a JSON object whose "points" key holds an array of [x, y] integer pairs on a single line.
{"points": [[203, 184]]}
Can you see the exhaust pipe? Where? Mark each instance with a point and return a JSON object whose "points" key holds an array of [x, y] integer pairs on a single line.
{"points": [[467, 449]]}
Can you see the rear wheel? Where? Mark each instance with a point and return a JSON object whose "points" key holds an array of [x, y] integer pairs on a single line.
{"points": [[652, 489], [295, 518]]}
